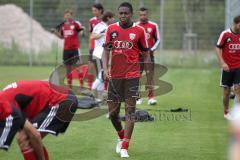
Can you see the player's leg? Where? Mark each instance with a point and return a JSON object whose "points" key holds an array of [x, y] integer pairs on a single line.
{"points": [[236, 83], [226, 82], [26, 148], [141, 62], [67, 54], [151, 100], [114, 102], [130, 94]]}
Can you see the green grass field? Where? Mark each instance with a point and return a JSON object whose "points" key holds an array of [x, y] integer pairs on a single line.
{"points": [[202, 137]]}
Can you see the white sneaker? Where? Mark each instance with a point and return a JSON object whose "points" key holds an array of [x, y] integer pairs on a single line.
{"points": [[228, 116], [119, 145], [152, 101], [139, 101], [124, 153]]}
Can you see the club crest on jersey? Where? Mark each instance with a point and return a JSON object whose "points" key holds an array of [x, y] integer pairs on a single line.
{"points": [[132, 36], [72, 27], [114, 35], [229, 39], [149, 30]]}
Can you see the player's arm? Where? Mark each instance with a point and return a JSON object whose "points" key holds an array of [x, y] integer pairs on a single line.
{"points": [[157, 39], [35, 140], [59, 34], [106, 53], [105, 61], [220, 43], [98, 32]]}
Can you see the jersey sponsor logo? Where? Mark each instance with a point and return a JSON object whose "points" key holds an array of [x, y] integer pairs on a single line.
{"points": [[132, 36], [234, 46], [122, 45], [149, 30], [68, 32]]}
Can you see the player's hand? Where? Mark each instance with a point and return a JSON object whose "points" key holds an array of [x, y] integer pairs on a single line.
{"points": [[53, 30], [225, 67], [107, 76]]}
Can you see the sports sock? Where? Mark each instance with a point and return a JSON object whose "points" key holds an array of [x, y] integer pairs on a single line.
{"points": [[125, 143], [121, 134], [45, 153], [29, 154], [226, 110], [69, 80]]}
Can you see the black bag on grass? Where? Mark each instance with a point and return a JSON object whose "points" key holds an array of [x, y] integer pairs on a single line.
{"points": [[87, 103], [141, 116]]}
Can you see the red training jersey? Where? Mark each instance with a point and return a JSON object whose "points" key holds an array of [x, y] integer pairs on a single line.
{"points": [[30, 97], [152, 32], [126, 46], [70, 31], [92, 23], [229, 42]]}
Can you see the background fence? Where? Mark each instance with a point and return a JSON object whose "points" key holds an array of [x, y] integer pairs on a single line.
{"points": [[189, 28]]}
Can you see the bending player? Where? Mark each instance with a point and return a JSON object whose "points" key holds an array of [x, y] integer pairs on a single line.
{"points": [[48, 107], [124, 40], [11, 122]]}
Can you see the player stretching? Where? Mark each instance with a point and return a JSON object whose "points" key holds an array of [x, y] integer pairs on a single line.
{"points": [[69, 32], [153, 38], [228, 53], [125, 40], [48, 107]]}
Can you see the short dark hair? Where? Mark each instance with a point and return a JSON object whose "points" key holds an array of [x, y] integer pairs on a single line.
{"points": [[236, 19], [107, 15], [128, 5], [143, 9], [98, 6]]}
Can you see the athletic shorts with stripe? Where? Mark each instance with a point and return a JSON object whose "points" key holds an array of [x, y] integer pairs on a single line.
{"points": [[9, 127], [228, 79], [55, 119]]}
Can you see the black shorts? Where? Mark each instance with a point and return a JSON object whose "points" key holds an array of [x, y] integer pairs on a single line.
{"points": [[228, 79], [9, 127], [121, 89], [71, 57], [55, 119]]}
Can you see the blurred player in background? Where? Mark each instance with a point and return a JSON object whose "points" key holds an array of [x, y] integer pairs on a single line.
{"points": [[98, 34], [48, 107], [153, 38], [228, 53], [69, 32], [97, 11], [124, 40], [13, 121]]}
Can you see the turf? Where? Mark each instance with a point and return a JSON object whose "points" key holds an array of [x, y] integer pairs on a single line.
{"points": [[200, 135]]}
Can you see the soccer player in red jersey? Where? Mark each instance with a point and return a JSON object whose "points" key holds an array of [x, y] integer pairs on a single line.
{"points": [[228, 53], [48, 107], [11, 122], [153, 38], [69, 32], [125, 40], [97, 11]]}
